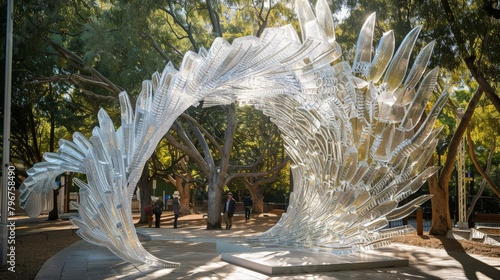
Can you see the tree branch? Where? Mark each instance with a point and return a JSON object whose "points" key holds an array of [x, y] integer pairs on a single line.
{"points": [[69, 56], [228, 137], [214, 19], [189, 149], [457, 137], [469, 58], [207, 134], [156, 46], [97, 96], [183, 26], [263, 21], [274, 171], [473, 158]]}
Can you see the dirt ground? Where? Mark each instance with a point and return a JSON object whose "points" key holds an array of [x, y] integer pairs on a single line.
{"points": [[451, 245], [35, 246], [33, 250]]}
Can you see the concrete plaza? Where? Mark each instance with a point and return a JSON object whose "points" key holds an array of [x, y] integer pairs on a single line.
{"points": [[195, 249]]}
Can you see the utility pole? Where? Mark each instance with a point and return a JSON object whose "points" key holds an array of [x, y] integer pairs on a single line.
{"points": [[462, 195]]}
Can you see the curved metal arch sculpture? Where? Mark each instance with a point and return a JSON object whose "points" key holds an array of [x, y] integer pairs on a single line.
{"points": [[353, 139]]}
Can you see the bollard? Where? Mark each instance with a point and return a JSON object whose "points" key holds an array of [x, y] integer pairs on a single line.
{"points": [[420, 221]]}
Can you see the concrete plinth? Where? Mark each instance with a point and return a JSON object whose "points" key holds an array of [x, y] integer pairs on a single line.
{"points": [[462, 225], [274, 261]]}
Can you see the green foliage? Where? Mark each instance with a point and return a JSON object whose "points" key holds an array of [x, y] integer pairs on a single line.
{"points": [[126, 41], [255, 135]]}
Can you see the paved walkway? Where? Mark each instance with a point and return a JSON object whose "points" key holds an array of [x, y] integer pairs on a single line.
{"points": [[195, 248]]}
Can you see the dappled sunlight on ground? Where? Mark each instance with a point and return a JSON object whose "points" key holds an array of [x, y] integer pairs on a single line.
{"points": [[195, 248]]}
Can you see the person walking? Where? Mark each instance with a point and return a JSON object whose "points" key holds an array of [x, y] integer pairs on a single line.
{"points": [[148, 210], [176, 206], [157, 210], [248, 203], [229, 208]]}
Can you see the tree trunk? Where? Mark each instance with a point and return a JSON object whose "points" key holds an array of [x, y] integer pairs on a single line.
{"points": [[257, 195], [217, 174], [441, 221], [177, 181], [214, 205], [184, 208], [145, 193], [256, 185]]}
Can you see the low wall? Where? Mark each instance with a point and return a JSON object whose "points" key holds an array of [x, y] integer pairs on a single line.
{"points": [[486, 219]]}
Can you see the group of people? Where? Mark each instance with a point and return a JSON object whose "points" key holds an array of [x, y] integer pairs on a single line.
{"points": [[156, 209], [230, 207]]}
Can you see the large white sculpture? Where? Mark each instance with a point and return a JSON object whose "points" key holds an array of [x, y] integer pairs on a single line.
{"points": [[351, 132]]}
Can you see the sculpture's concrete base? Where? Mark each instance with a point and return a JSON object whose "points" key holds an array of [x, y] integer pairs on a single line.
{"points": [[462, 225], [273, 261]]}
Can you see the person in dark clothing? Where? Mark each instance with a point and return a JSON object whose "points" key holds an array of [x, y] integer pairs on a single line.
{"points": [[248, 203], [176, 206], [228, 210], [148, 210], [157, 210]]}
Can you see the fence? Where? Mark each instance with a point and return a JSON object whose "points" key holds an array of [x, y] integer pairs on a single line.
{"points": [[412, 222]]}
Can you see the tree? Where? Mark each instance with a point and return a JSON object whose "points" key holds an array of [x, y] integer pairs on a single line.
{"points": [[478, 167], [466, 49], [258, 154], [476, 57], [100, 50], [183, 183], [212, 157]]}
